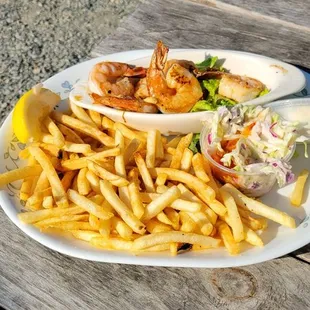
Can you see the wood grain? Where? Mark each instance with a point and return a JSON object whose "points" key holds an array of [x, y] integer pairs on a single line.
{"points": [[192, 25], [34, 277], [292, 11]]}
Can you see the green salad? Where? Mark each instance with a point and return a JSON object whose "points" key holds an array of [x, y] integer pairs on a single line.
{"points": [[212, 94]]}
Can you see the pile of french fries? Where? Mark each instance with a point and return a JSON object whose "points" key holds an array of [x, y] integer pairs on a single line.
{"points": [[122, 189]]}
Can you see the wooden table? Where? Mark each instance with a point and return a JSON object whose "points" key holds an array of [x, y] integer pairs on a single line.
{"points": [[34, 277]]}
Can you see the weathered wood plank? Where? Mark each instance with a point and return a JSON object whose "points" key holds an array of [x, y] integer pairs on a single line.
{"points": [[292, 11], [34, 277], [192, 25], [303, 253]]}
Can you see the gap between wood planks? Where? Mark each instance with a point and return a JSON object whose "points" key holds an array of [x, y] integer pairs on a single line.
{"points": [[235, 9], [299, 259]]}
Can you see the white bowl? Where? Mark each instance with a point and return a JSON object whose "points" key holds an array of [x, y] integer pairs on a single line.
{"points": [[280, 78]]}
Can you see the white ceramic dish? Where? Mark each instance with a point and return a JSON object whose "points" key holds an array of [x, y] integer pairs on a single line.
{"points": [[278, 240], [294, 110], [280, 78]]}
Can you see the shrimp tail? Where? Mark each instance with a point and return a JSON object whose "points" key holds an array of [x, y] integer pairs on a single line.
{"points": [[159, 57], [126, 104], [138, 72]]}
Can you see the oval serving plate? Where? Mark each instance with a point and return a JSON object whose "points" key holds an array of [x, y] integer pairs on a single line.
{"points": [[278, 240], [280, 78]]}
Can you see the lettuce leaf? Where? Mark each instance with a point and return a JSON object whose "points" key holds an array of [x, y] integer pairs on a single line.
{"points": [[207, 63], [195, 145], [263, 92], [224, 101], [203, 105], [212, 86]]}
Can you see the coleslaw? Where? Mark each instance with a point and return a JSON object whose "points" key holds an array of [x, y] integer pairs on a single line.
{"points": [[252, 139]]}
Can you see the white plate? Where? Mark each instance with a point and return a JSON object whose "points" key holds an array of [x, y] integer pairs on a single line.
{"points": [[280, 78], [278, 240]]}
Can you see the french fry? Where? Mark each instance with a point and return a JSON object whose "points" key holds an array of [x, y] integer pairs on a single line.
{"points": [[83, 185], [123, 194], [105, 228], [163, 218], [156, 248], [39, 215], [88, 205], [93, 180], [174, 236], [19, 174], [58, 191], [159, 149], [24, 154], [187, 223], [107, 123], [124, 212], [154, 226], [173, 142], [204, 192], [48, 202], [174, 218], [259, 208], [251, 237], [39, 186], [81, 114], [184, 205], [79, 163], [203, 224], [161, 179], [128, 133], [233, 214], [35, 200], [173, 248], [85, 128], [26, 188], [130, 149], [188, 195], [70, 134], [94, 221], [159, 204], [136, 203], [212, 183], [170, 151], [182, 145], [228, 239], [77, 148], [49, 149], [122, 228], [54, 131], [99, 200], [151, 148], [186, 161], [74, 225], [161, 189], [67, 179], [85, 235], [64, 218], [119, 163], [96, 118], [297, 194], [106, 175], [144, 172], [197, 163], [112, 243]]}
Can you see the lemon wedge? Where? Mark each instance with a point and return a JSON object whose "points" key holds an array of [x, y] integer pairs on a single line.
{"points": [[29, 112]]}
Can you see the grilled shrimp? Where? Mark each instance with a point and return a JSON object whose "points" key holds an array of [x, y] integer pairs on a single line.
{"points": [[113, 78], [239, 88], [177, 90], [126, 104]]}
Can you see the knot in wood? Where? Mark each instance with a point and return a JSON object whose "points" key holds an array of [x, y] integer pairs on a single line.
{"points": [[234, 283]]}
